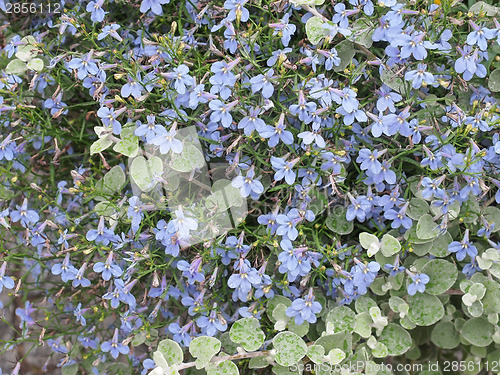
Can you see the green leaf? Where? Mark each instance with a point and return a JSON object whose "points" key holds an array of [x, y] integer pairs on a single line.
{"points": [[129, 144], [396, 339], [299, 330], [482, 7], [477, 289], [380, 350], [345, 50], [439, 247], [26, 50], [342, 318], [279, 314], [445, 336], [16, 67], [307, 2], [362, 30], [369, 242], [316, 353], [338, 223], [391, 79], [417, 208], [204, 348], [35, 64], [442, 275], [258, 362], [114, 180], [335, 356], [275, 301], [476, 309], [171, 351], [491, 299], [315, 31], [290, 348], [425, 309], [427, 228], [189, 159], [362, 325], [139, 338], [142, 172], [222, 368], [478, 331], [247, 333], [390, 245], [69, 370], [100, 145], [492, 214]]}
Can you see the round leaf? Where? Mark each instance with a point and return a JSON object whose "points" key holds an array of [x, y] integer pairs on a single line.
{"points": [[247, 333], [204, 348], [342, 318], [439, 247], [143, 171], [189, 159], [478, 331], [425, 309], [171, 351], [314, 30], [390, 245], [290, 348], [427, 228], [335, 356], [35, 64], [16, 67], [222, 368], [316, 353], [442, 275], [445, 336], [338, 223], [396, 339]]}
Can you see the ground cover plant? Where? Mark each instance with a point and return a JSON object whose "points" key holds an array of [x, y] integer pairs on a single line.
{"points": [[250, 187]]}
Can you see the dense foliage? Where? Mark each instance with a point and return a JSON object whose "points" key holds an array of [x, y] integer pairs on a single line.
{"points": [[250, 187]]}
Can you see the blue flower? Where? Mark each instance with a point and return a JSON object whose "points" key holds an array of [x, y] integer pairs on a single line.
{"points": [[221, 112], [277, 133], [182, 224], [368, 160], [418, 284], [248, 184], [480, 36], [167, 142], [212, 324], [109, 268], [84, 66], [263, 82], [5, 281], [80, 279], [65, 269], [469, 63], [110, 30], [242, 282], [108, 117], [154, 5], [359, 208], [236, 10], [252, 122], [286, 224], [284, 169], [102, 234], [419, 76], [463, 248], [191, 271], [304, 309], [98, 13], [114, 347], [284, 29], [180, 78]]}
